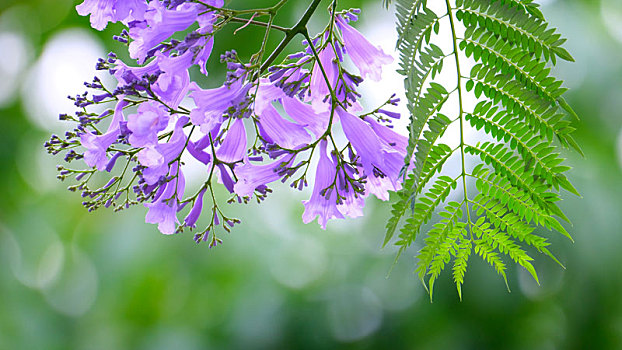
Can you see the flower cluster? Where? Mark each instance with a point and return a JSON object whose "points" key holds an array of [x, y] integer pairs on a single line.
{"points": [[264, 124]]}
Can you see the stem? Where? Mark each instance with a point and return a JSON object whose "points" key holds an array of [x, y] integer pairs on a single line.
{"points": [[258, 23], [263, 11], [299, 28], [461, 114]]}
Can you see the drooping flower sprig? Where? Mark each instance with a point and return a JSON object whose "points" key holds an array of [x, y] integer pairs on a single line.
{"points": [[267, 122]]}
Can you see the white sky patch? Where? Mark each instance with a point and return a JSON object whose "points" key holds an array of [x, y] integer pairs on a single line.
{"points": [[67, 61], [37, 263], [75, 289], [16, 54], [378, 26], [611, 11]]}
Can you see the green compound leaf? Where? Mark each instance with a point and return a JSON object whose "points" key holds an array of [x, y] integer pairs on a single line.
{"points": [[507, 169]]}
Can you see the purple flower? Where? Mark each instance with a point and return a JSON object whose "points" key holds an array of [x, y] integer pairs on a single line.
{"points": [[195, 212], [323, 201], [292, 79], [197, 151], [113, 161], [173, 83], [252, 176], [305, 115], [151, 158], [380, 184], [206, 22], [156, 158], [97, 145], [130, 10], [173, 79], [394, 148], [225, 178], [364, 140], [145, 125], [104, 11], [160, 24], [351, 202], [282, 132], [203, 55], [233, 147], [213, 103], [126, 75], [391, 140], [366, 57], [163, 209], [267, 93], [381, 152], [352, 206], [318, 86]]}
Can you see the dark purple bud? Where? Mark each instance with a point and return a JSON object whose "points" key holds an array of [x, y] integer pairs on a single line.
{"points": [[112, 161], [216, 219], [110, 182], [226, 178], [296, 55], [198, 154], [195, 212], [389, 114]]}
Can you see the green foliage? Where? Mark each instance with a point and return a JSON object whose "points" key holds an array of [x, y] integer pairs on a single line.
{"points": [[494, 207]]}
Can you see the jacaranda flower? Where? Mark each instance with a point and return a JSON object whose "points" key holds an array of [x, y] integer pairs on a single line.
{"points": [[233, 148], [173, 83], [160, 23], [320, 92], [305, 115], [104, 11], [323, 201], [156, 158], [213, 103], [150, 119], [252, 176], [365, 56], [97, 145], [163, 209], [280, 131]]}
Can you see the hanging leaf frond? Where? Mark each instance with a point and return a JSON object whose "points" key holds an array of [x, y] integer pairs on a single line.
{"points": [[509, 182]]}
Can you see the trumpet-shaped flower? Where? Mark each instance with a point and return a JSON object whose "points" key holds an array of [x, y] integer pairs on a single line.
{"points": [[323, 201], [233, 147], [280, 131], [320, 90], [104, 11], [97, 145], [150, 119], [251, 176], [213, 103], [156, 158], [368, 58], [160, 23], [163, 209]]}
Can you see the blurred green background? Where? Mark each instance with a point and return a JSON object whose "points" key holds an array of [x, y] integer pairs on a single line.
{"points": [[73, 280]]}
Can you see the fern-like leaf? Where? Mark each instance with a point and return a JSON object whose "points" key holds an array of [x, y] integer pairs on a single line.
{"points": [[519, 170]]}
